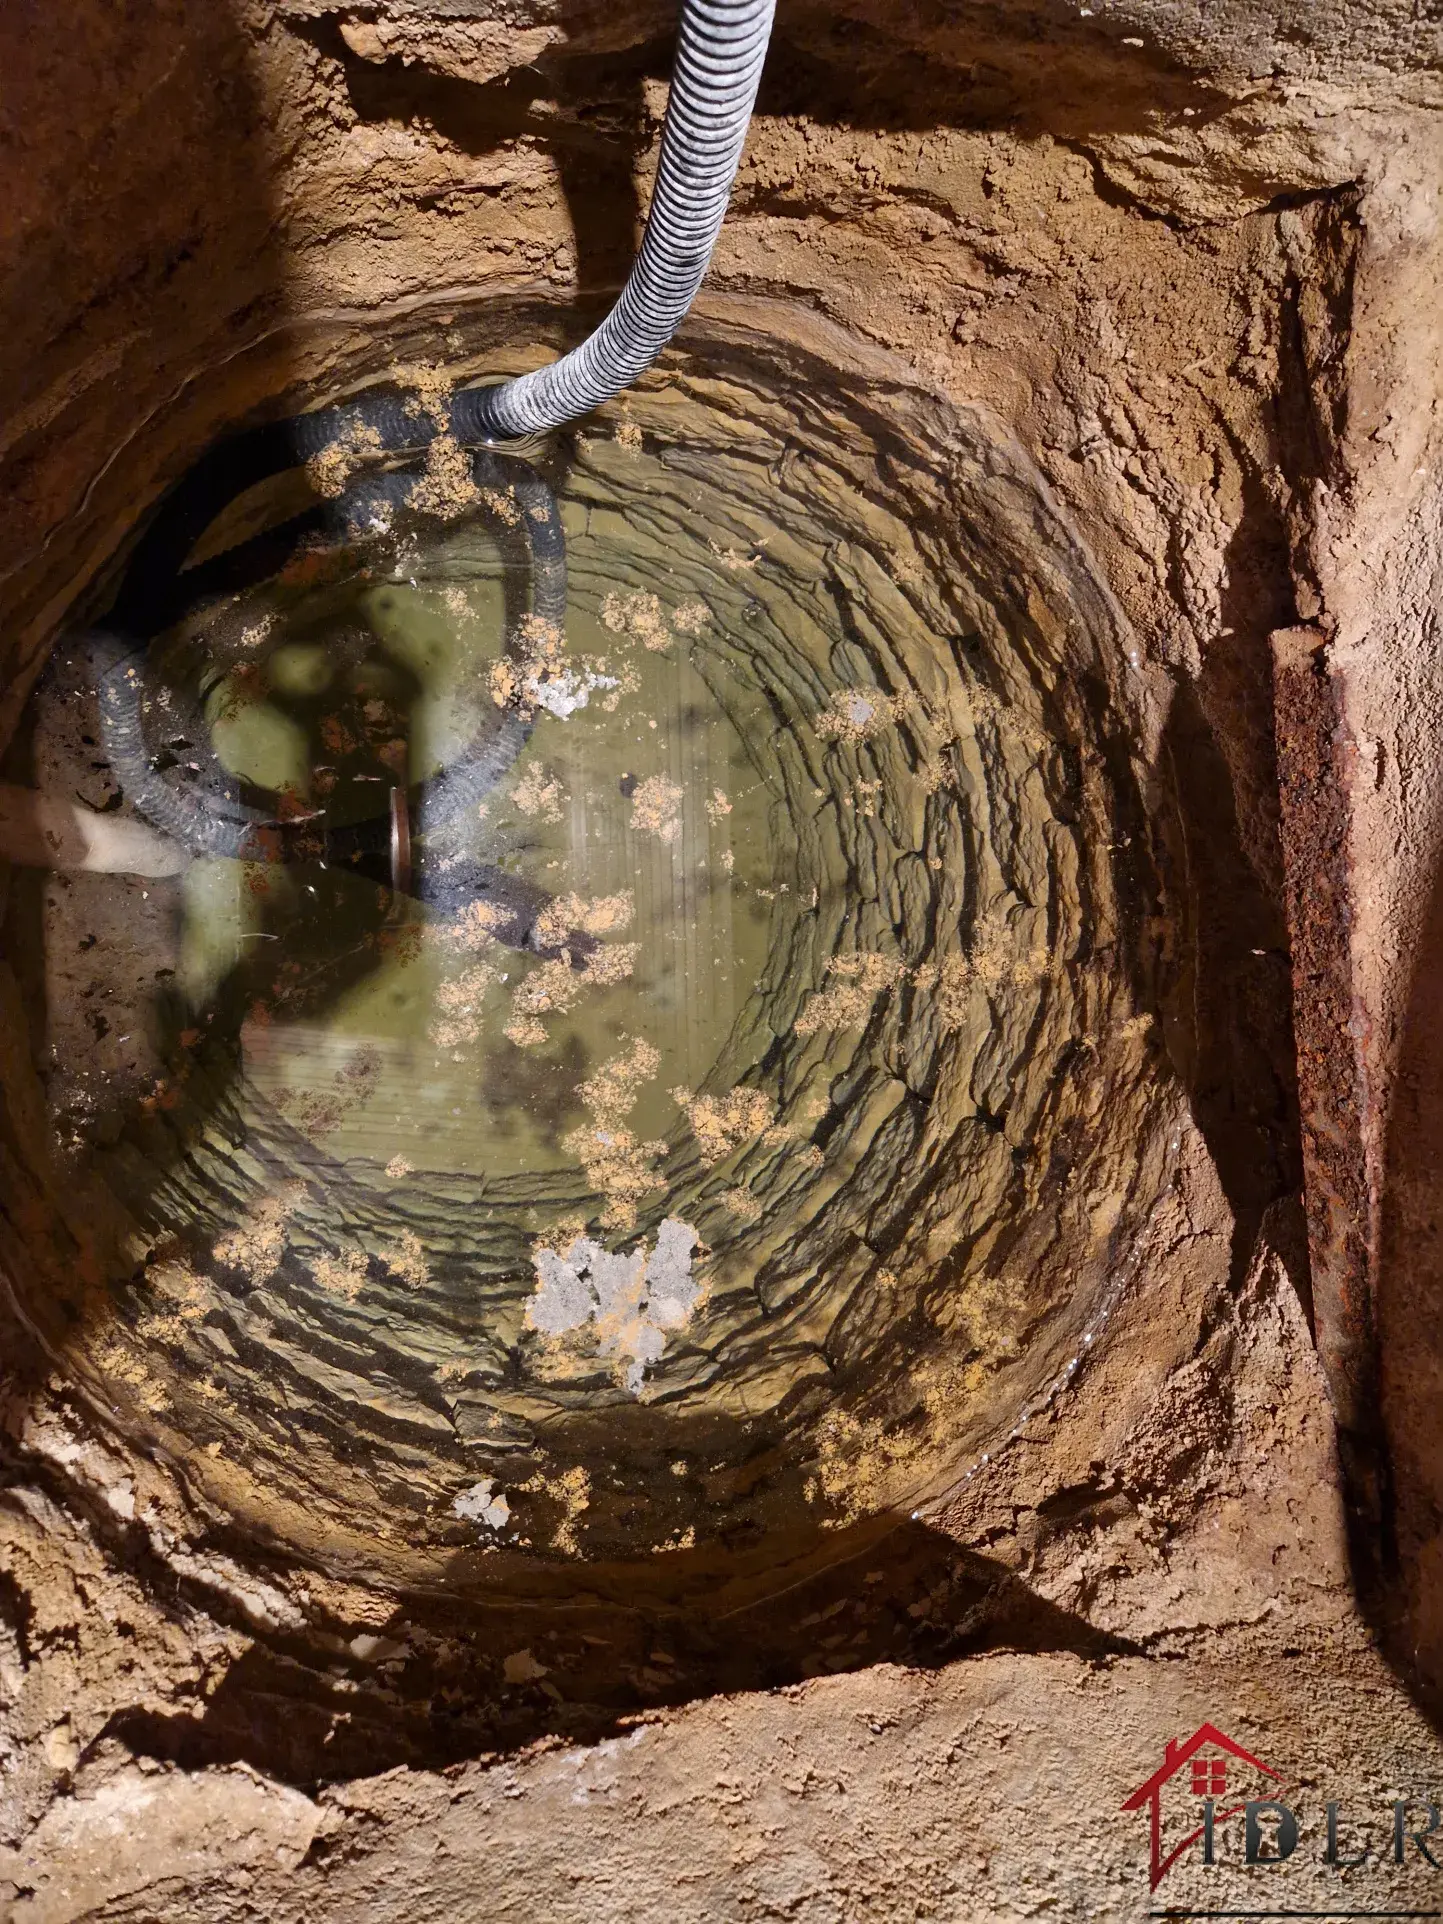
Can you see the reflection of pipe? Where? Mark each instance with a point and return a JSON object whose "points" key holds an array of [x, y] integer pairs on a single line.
{"points": [[721, 45], [45, 831], [413, 850], [719, 52], [229, 827]]}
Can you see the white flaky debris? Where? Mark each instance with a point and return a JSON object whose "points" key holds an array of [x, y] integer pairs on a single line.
{"points": [[671, 1287], [635, 1297], [483, 1503], [51, 831], [561, 695]]}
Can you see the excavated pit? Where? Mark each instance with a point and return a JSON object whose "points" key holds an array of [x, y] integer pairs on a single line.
{"points": [[672, 1279], [1045, 487]]}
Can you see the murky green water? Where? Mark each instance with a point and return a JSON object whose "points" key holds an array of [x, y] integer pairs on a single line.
{"points": [[738, 1220], [646, 800]]}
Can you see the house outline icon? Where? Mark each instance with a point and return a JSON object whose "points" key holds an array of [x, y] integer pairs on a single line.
{"points": [[1175, 1758]]}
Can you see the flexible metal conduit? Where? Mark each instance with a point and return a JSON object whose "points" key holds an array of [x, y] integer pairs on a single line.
{"points": [[720, 48], [721, 45]]}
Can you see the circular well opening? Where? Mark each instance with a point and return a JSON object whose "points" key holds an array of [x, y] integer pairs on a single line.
{"points": [[697, 1247]]}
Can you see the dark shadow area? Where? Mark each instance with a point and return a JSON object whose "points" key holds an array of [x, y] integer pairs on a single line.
{"points": [[1405, 1602], [987, 73], [126, 265], [1232, 1039], [440, 1685], [1351, 1272], [320, 929], [588, 113]]}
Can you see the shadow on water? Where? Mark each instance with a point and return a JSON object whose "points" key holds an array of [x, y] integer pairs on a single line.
{"points": [[315, 931], [134, 268]]}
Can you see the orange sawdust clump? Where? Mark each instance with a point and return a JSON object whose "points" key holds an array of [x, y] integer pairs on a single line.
{"points": [[407, 1259], [723, 1123], [343, 1274], [319, 1112], [690, 618], [461, 1003], [992, 959], [517, 680], [857, 714], [619, 1168], [656, 808], [330, 471], [639, 616], [257, 1245], [538, 793], [611, 1093], [447, 485], [617, 1165], [555, 987], [743, 1205], [585, 915], [848, 1004], [503, 506], [613, 964], [572, 1488], [475, 928]]}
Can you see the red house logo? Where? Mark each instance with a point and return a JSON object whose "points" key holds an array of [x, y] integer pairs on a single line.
{"points": [[1202, 1766]]}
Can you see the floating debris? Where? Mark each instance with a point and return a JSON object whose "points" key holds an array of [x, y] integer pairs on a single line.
{"points": [[857, 714], [482, 1504], [656, 808], [849, 1003], [635, 1299], [723, 1123]]}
